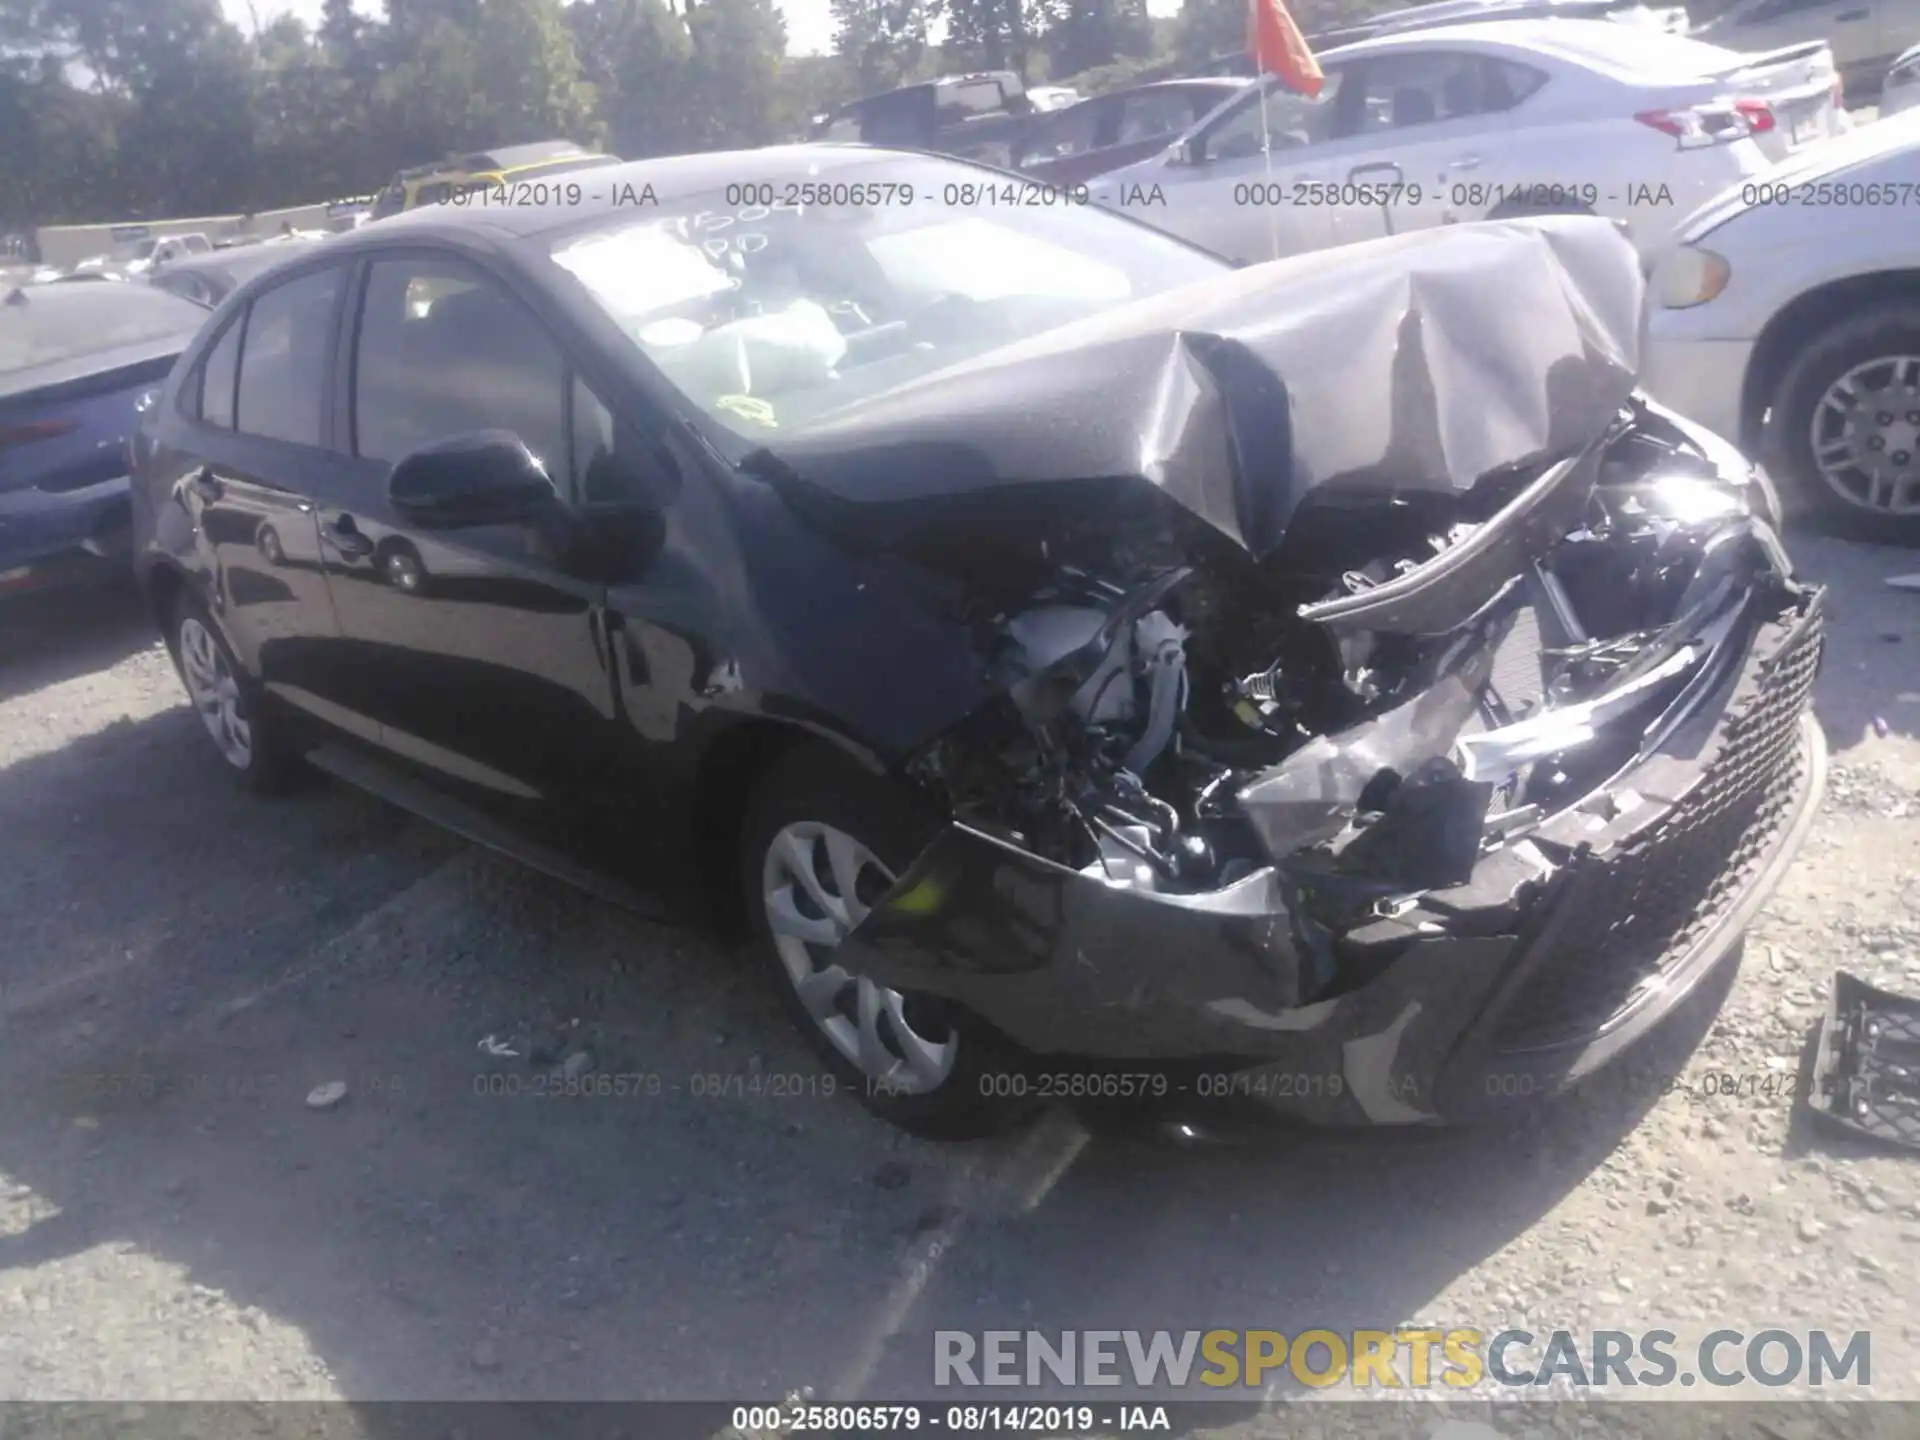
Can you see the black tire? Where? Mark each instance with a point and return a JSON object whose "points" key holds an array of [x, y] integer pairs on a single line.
{"points": [[816, 786], [271, 766], [1786, 443]]}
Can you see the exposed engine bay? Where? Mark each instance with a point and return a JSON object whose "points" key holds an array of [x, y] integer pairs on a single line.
{"points": [[1406, 688], [1336, 666]]}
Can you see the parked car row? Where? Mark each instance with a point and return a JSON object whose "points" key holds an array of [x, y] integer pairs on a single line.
{"points": [[1433, 127]]}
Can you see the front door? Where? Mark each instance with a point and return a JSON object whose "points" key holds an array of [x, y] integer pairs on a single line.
{"points": [[1428, 142], [482, 659]]}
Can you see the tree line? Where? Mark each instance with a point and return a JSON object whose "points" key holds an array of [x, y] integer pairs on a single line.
{"points": [[143, 109]]}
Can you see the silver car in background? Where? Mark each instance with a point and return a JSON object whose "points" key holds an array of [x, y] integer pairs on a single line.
{"points": [[1902, 88], [1787, 318]]}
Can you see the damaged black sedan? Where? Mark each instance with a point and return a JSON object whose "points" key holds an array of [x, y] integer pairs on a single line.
{"points": [[1328, 683]]}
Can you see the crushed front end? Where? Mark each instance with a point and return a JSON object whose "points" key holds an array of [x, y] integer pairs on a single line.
{"points": [[1439, 805]]}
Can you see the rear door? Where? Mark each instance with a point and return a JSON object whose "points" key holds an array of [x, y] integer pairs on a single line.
{"points": [[1431, 140], [482, 660], [257, 417]]}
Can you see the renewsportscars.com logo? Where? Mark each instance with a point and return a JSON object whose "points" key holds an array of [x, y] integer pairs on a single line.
{"points": [[1400, 1359]]}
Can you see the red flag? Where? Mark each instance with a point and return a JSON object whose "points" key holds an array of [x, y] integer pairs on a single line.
{"points": [[1278, 47]]}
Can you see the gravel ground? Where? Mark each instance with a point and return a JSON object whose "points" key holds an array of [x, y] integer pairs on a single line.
{"points": [[194, 1229]]}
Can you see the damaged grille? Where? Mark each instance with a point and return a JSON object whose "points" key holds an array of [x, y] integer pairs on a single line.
{"points": [[1631, 914]]}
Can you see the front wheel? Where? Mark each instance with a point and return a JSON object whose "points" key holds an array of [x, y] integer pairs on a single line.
{"points": [[823, 842], [1842, 435]]}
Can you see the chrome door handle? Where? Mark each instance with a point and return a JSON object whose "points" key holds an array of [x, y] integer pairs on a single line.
{"points": [[1465, 162]]}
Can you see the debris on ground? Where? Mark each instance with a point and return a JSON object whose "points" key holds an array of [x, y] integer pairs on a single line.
{"points": [[1864, 1073], [325, 1097]]}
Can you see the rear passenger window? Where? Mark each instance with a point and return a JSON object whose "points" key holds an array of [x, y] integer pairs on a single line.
{"points": [[1509, 82], [1073, 133], [217, 374], [1153, 113], [1413, 88], [283, 363]]}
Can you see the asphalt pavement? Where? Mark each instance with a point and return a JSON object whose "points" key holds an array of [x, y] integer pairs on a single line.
{"points": [[184, 963]]}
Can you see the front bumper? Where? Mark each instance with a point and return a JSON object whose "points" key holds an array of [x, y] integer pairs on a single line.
{"points": [[1559, 952], [53, 538]]}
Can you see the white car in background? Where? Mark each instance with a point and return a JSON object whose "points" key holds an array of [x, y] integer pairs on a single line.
{"points": [[1902, 90], [1787, 318], [1053, 97], [1482, 121], [1865, 34]]}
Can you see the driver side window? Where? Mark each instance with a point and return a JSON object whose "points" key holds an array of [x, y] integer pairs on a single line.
{"points": [[443, 350], [1292, 122]]}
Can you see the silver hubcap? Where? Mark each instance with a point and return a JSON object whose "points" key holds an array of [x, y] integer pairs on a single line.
{"points": [[215, 693], [818, 883], [1866, 435], [403, 572]]}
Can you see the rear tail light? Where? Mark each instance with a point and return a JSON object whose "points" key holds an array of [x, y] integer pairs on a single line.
{"points": [[13, 435], [1721, 123]]}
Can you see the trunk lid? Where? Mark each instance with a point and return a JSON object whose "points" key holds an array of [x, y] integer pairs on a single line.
{"points": [[1798, 85]]}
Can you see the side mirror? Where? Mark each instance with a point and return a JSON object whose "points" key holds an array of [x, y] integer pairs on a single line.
{"points": [[488, 477]]}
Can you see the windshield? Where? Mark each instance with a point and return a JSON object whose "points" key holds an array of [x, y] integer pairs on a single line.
{"points": [[767, 315]]}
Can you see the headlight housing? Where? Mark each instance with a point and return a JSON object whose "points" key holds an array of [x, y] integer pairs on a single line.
{"points": [[1691, 275]]}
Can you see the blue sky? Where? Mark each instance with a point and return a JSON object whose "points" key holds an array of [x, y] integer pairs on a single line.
{"points": [[809, 22]]}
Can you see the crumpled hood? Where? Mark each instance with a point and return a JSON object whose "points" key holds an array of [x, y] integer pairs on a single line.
{"points": [[1415, 363]]}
